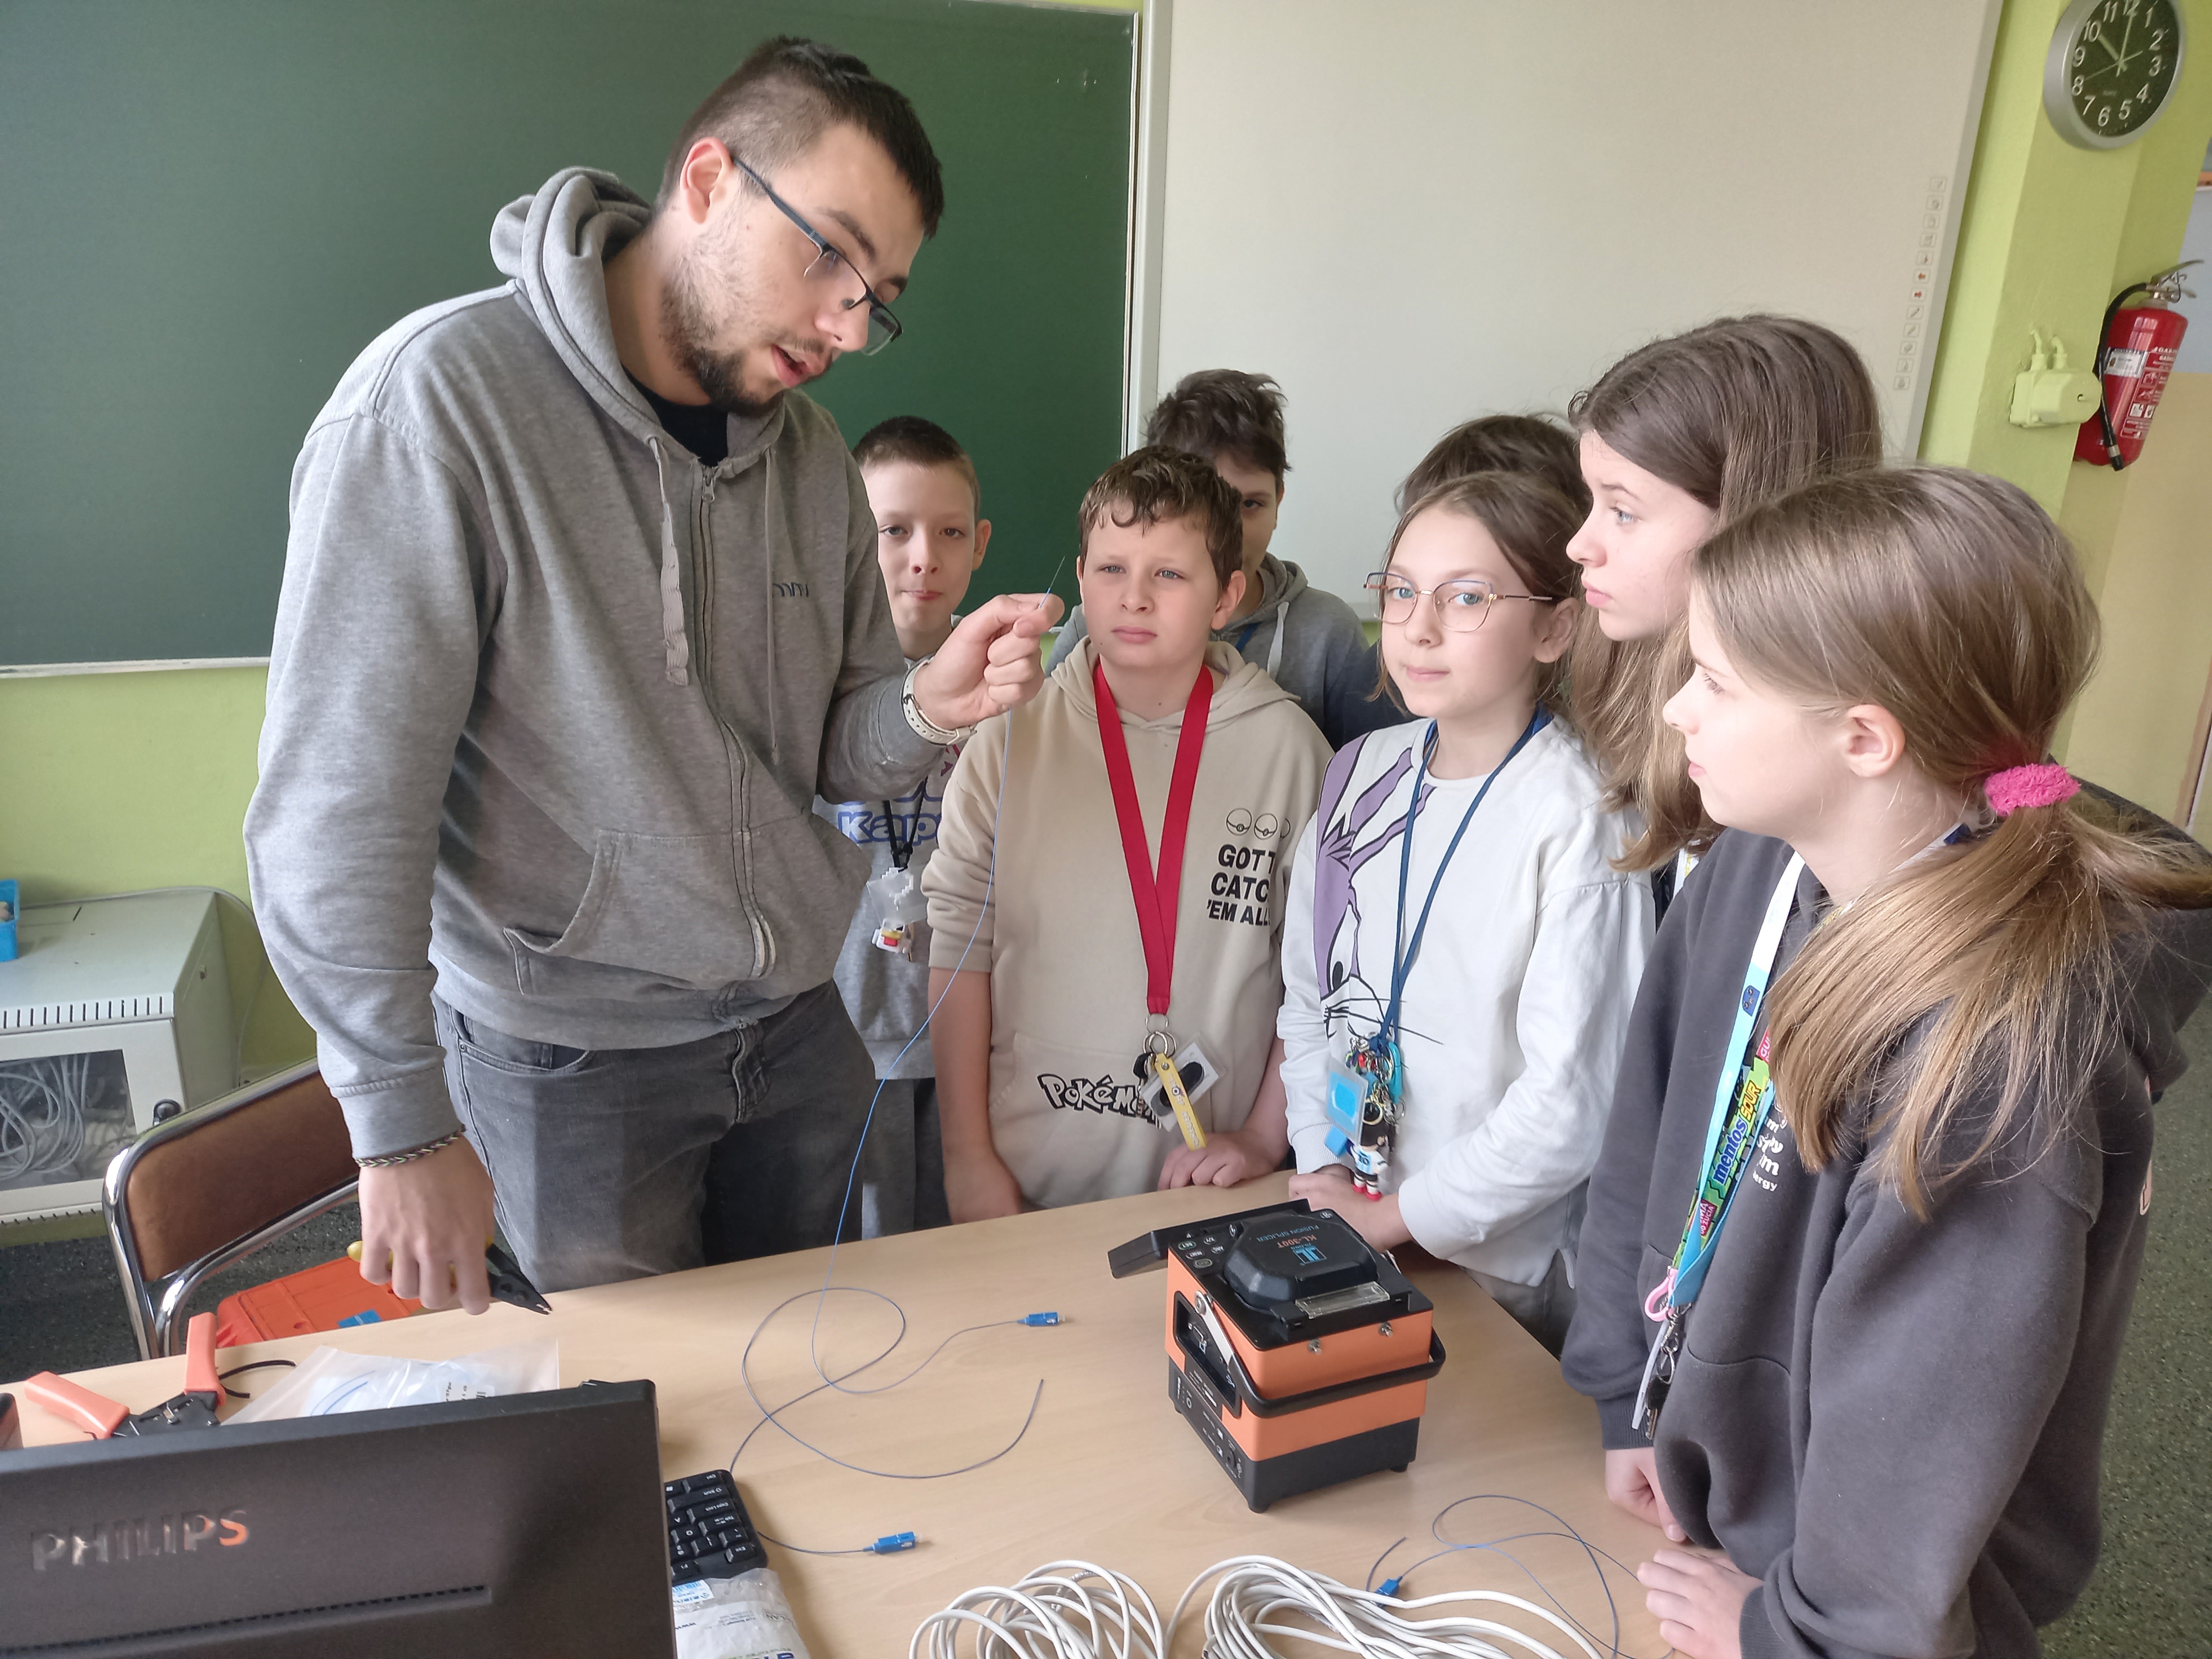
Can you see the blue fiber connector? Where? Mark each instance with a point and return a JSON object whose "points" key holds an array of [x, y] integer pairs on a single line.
{"points": [[1390, 1586], [1040, 1319], [892, 1542]]}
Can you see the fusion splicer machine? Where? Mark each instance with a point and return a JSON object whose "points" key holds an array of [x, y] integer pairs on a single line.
{"points": [[1296, 1350]]}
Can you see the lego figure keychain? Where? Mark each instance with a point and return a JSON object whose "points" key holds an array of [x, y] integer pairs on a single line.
{"points": [[895, 896]]}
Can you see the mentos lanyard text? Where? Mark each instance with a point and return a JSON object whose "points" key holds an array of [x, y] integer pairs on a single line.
{"points": [[1743, 1095], [1365, 1094]]}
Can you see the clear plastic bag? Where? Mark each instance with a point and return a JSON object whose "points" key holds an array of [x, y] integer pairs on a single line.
{"points": [[330, 1381], [742, 1617]]}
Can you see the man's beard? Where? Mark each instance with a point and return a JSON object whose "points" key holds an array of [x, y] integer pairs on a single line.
{"points": [[687, 324]]}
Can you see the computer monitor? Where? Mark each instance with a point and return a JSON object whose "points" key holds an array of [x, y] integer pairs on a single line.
{"points": [[532, 1525]]}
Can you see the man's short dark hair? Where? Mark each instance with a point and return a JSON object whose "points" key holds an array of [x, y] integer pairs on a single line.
{"points": [[1218, 411], [1528, 443], [1157, 486], [790, 92], [922, 443]]}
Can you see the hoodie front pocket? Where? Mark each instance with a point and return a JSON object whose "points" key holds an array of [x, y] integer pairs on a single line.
{"points": [[666, 905], [806, 880], [1068, 1122]]}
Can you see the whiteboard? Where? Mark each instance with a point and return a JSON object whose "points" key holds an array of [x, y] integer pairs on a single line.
{"points": [[1411, 212]]}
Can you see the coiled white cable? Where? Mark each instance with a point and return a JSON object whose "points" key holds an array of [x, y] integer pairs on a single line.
{"points": [[42, 1126], [1254, 1593], [1055, 1612]]}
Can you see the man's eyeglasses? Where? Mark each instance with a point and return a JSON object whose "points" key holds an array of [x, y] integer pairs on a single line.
{"points": [[1463, 604], [883, 327]]}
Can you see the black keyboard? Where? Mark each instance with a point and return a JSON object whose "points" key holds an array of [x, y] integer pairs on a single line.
{"points": [[709, 1533]]}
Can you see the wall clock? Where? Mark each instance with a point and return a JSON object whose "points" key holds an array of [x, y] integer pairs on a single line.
{"points": [[2112, 70]]}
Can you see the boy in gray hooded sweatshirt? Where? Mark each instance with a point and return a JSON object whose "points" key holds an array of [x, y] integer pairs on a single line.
{"points": [[580, 611], [1309, 642]]}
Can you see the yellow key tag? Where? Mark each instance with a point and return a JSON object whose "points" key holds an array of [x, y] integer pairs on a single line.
{"points": [[1170, 1077]]}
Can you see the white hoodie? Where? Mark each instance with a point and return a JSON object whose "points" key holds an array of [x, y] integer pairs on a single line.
{"points": [[1515, 1010], [1058, 934]]}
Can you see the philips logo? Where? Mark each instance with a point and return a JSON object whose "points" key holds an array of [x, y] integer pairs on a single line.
{"points": [[793, 591], [109, 1542]]}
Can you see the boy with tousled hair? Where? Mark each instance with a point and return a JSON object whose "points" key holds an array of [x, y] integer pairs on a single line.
{"points": [[930, 540], [1156, 761], [1310, 642]]}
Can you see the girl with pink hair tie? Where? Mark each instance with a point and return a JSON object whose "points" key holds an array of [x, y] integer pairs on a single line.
{"points": [[1863, 1239]]}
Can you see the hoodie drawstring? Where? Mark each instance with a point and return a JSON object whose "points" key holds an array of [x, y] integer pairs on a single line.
{"points": [[768, 603], [1275, 650], [675, 643]]}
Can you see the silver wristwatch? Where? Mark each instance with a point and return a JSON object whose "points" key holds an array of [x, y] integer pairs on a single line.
{"points": [[924, 727]]}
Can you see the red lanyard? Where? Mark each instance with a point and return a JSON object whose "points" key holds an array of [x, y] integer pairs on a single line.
{"points": [[1157, 896]]}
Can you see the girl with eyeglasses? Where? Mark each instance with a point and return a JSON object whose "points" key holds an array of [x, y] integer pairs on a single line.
{"points": [[1459, 954]]}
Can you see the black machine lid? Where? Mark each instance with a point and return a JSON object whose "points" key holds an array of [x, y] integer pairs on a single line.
{"points": [[1297, 1257]]}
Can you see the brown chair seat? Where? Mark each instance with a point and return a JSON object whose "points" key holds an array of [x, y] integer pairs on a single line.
{"points": [[209, 1187]]}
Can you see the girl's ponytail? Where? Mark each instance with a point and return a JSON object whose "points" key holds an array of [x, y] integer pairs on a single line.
{"points": [[1951, 600]]}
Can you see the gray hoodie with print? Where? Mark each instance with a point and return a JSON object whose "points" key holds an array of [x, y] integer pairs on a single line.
{"points": [[549, 700]]}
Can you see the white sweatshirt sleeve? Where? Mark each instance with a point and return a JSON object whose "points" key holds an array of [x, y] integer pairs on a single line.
{"points": [[1301, 1025], [1571, 1021]]}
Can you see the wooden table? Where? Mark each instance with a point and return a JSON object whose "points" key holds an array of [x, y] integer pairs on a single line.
{"points": [[1107, 1473]]}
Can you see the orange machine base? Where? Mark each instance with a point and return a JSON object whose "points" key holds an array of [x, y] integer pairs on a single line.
{"points": [[1263, 1479]]}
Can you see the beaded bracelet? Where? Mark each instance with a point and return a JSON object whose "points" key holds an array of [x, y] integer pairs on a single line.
{"points": [[391, 1158]]}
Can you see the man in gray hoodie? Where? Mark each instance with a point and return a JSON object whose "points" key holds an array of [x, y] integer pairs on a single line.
{"points": [[580, 611]]}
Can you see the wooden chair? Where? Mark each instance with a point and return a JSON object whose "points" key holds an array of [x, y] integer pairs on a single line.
{"points": [[211, 1186]]}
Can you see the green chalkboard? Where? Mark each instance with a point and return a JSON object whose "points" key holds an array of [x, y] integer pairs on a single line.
{"points": [[211, 207]]}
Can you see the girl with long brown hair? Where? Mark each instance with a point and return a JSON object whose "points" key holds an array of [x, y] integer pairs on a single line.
{"points": [[1679, 439], [1860, 1251]]}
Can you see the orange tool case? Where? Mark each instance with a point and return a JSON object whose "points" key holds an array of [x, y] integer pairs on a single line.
{"points": [[314, 1299], [1296, 1350]]}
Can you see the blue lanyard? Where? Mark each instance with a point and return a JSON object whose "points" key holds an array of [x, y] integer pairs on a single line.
{"points": [[1401, 956], [1695, 1253]]}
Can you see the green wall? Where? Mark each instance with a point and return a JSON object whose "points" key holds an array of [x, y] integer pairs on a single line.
{"points": [[312, 173], [116, 782], [2050, 232]]}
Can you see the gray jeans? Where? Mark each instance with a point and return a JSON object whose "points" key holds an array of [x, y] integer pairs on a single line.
{"points": [[1544, 1310], [618, 1164]]}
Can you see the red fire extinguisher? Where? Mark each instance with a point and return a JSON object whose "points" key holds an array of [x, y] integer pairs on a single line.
{"points": [[2135, 356]]}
